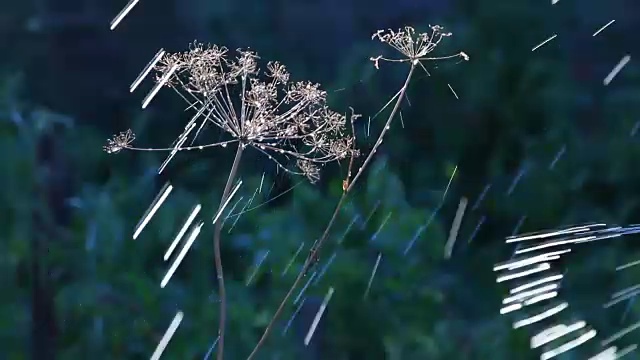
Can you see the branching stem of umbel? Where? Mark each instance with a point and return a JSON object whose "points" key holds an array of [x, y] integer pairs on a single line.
{"points": [[314, 252], [216, 251]]}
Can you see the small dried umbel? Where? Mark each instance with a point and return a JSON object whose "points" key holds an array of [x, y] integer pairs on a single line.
{"points": [[414, 46], [285, 120], [119, 142]]}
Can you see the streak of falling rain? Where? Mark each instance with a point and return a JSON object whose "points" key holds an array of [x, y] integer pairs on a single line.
{"points": [[604, 27], [453, 91], [155, 205], [304, 288], [446, 190], [516, 179], [569, 345], [555, 332], [293, 316], [183, 230], [539, 268], [158, 86], [226, 202], [261, 182], [257, 267], [544, 235], [478, 201], [325, 268], [167, 336], [629, 349], [213, 346], [476, 229], [620, 334], [519, 224], [318, 316], [373, 274], [375, 207], [541, 316], [627, 310], [248, 203], [544, 42], [344, 235], [420, 230], [293, 258], [518, 263], [557, 157], [121, 15], [181, 255], [628, 265], [230, 212], [146, 70], [177, 146], [455, 228], [535, 283], [607, 354], [384, 222], [614, 72], [635, 128]]}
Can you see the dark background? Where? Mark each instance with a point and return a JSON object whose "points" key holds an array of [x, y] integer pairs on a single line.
{"points": [[76, 286]]}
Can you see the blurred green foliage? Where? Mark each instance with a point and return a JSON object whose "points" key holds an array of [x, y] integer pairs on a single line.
{"points": [[516, 108]]}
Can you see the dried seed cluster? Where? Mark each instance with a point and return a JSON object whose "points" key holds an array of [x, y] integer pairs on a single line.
{"points": [[259, 108]]}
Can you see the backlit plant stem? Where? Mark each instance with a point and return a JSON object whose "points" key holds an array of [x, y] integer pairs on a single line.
{"points": [[216, 251], [314, 252]]}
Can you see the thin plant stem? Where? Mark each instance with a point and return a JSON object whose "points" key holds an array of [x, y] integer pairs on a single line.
{"points": [[218, 257], [314, 252]]}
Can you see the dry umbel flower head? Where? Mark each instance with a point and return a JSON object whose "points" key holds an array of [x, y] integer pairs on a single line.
{"points": [[414, 46], [287, 121]]}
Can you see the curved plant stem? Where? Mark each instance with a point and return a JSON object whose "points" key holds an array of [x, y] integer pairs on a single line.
{"points": [[218, 257], [314, 252]]}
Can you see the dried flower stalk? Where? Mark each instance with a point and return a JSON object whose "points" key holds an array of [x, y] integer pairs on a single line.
{"points": [[287, 121], [414, 47]]}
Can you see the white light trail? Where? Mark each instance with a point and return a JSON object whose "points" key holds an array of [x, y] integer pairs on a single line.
{"points": [[155, 205]]}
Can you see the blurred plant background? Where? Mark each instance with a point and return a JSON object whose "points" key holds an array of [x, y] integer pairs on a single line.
{"points": [[76, 286]]}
